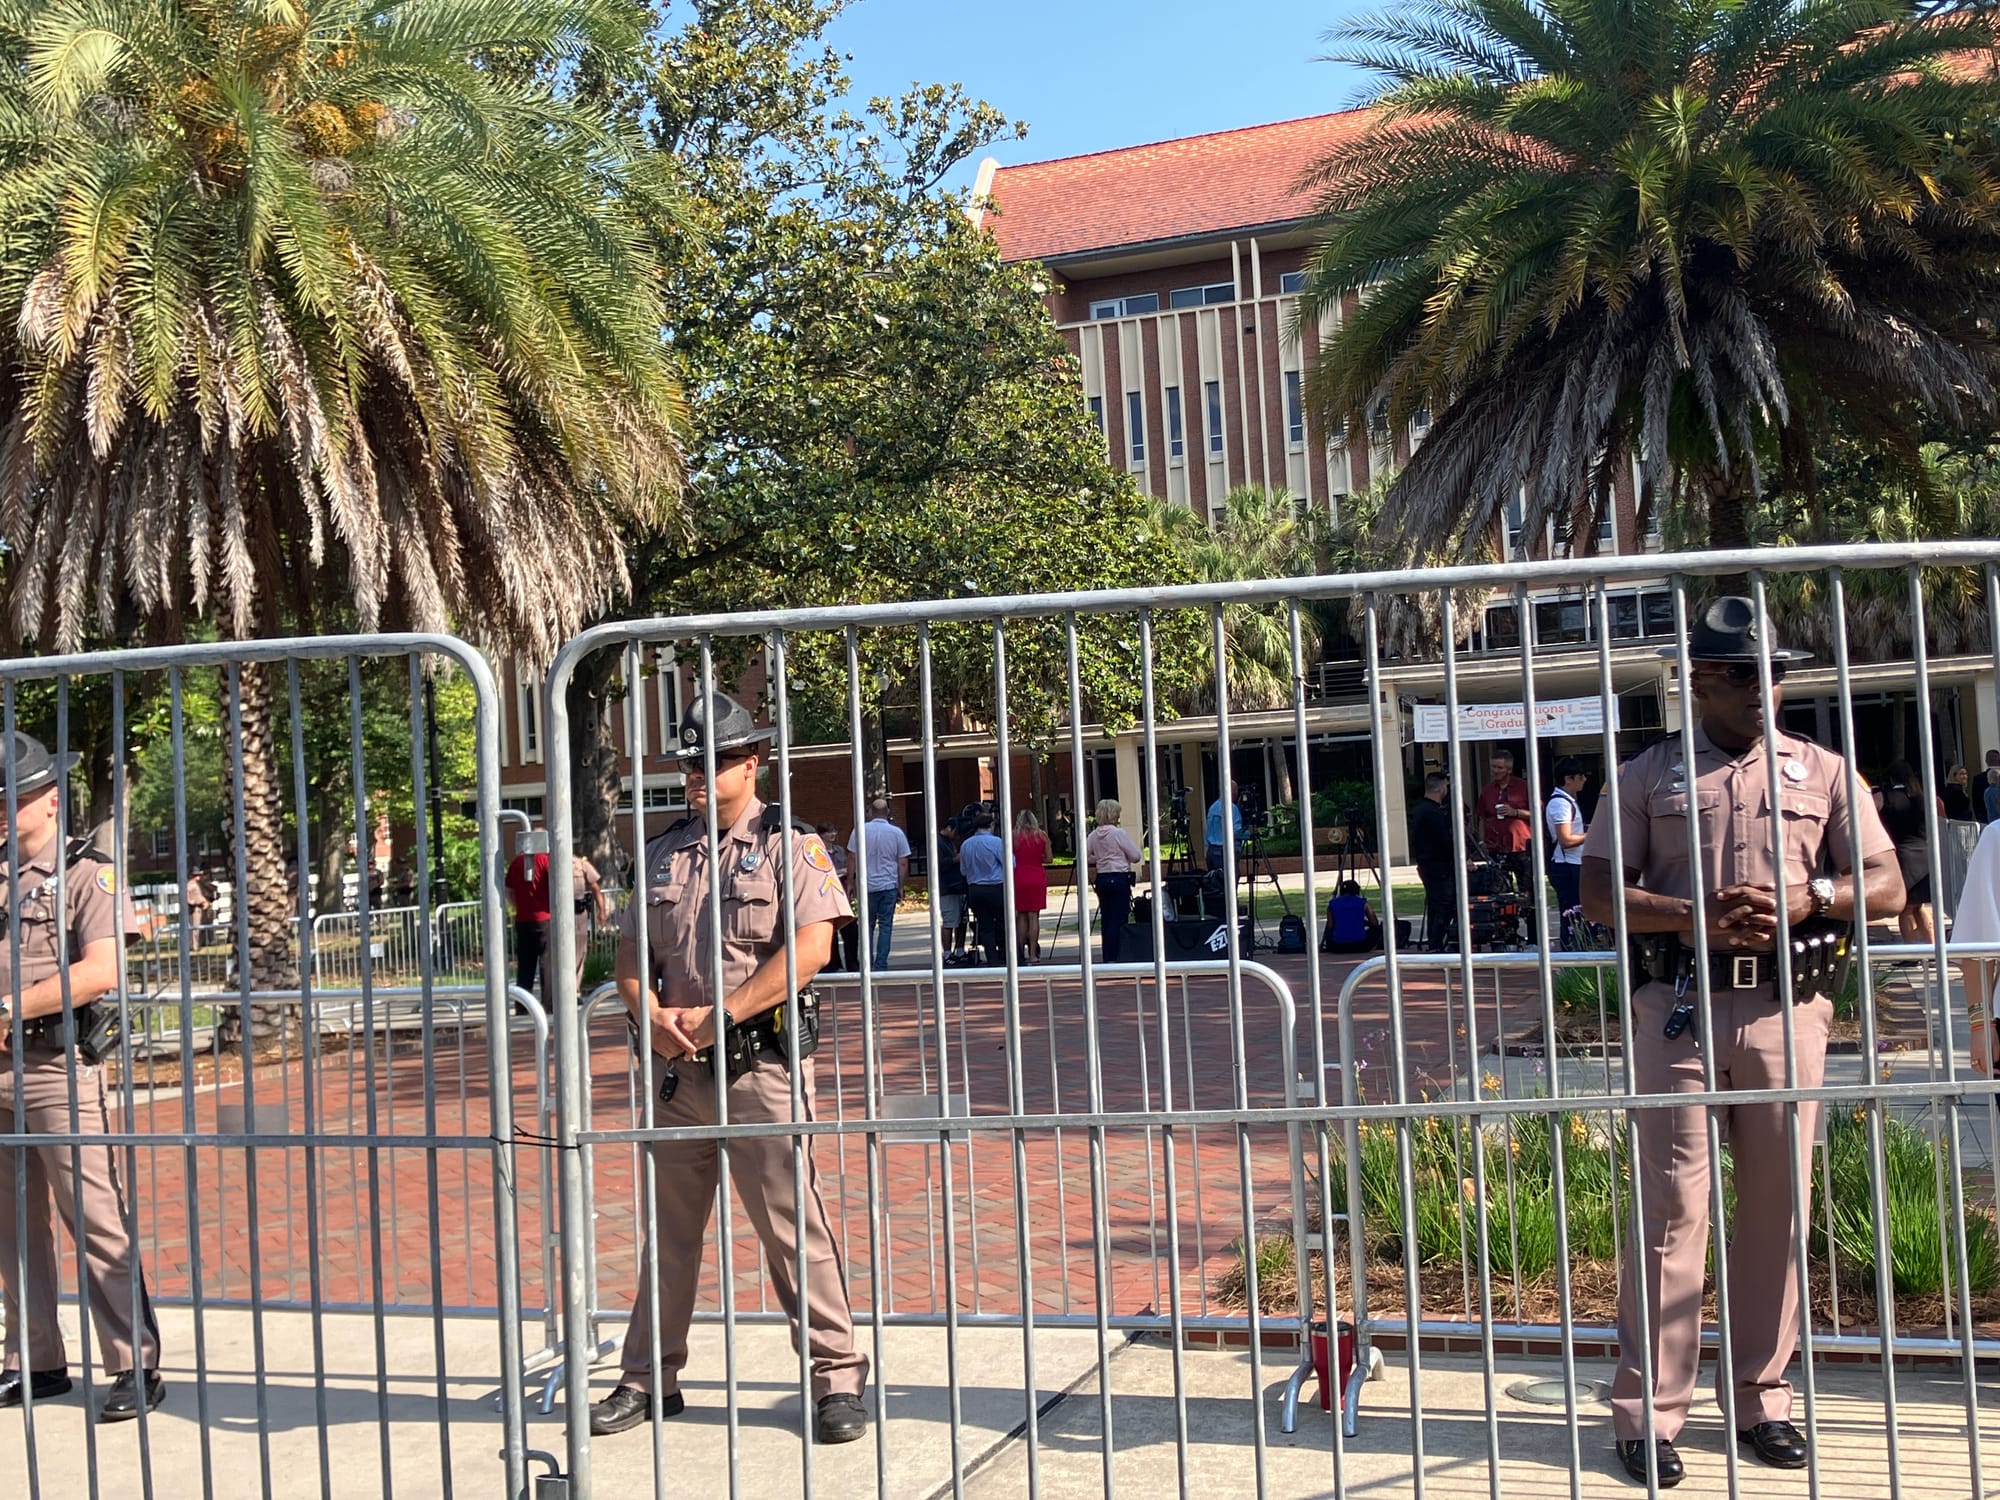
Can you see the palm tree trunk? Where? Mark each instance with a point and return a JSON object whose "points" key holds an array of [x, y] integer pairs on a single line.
{"points": [[273, 959], [593, 751], [1728, 519]]}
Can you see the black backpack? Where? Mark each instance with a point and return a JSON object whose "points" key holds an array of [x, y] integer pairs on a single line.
{"points": [[1292, 934]]}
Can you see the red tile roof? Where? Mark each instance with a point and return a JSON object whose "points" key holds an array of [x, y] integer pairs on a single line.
{"points": [[1201, 184]]}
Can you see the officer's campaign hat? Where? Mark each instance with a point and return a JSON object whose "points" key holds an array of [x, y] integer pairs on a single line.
{"points": [[734, 729], [1726, 630], [35, 770]]}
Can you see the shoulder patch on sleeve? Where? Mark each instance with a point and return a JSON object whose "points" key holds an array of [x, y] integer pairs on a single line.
{"points": [[107, 882], [814, 853]]}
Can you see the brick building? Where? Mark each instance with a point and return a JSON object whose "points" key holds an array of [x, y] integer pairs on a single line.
{"points": [[1175, 272]]}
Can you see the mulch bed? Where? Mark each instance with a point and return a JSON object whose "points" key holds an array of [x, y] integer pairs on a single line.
{"points": [[1593, 1299]]}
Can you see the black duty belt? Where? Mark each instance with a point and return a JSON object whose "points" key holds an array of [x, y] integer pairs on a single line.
{"points": [[1820, 956]]}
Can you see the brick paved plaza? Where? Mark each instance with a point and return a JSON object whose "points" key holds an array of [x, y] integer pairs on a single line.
{"points": [[372, 1208]]}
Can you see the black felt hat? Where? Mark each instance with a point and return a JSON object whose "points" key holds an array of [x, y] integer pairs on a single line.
{"points": [[735, 729], [1726, 630], [35, 770]]}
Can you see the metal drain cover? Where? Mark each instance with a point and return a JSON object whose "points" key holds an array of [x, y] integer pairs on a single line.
{"points": [[1550, 1392]]}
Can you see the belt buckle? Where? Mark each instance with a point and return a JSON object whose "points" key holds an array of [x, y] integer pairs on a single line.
{"points": [[1743, 972]]}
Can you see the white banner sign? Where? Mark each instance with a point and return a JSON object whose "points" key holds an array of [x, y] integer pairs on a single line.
{"points": [[1509, 721]]}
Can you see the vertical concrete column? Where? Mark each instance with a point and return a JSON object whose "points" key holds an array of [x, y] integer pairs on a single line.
{"points": [[1197, 790], [1985, 722], [1131, 786], [1394, 794]]}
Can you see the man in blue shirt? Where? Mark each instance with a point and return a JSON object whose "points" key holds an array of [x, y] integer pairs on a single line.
{"points": [[1215, 825], [982, 859]]}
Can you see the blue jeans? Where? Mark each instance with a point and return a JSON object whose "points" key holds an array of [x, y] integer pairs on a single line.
{"points": [[881, 923]]}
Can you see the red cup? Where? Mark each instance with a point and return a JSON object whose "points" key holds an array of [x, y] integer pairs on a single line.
{"points": [[1329, 1393]]}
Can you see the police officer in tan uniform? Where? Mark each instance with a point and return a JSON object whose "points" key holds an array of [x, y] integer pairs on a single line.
{"points": [[674, 1013], [31, 1019], [1729, 787]]}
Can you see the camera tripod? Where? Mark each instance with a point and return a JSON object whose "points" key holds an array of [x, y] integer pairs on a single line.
{"points": [[1253, 864], [1356, 858], [1178, 835]]}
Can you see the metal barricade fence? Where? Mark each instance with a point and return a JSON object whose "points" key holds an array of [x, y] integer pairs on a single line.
{"points": [[353, 1157], [1457, 1416], [1154, 1056]]}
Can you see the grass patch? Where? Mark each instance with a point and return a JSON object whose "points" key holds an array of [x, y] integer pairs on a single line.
{"points": [[1521, 1240]]}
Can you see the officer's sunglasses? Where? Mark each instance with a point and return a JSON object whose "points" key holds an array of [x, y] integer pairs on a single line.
{"points": [[722, 763], [1744, 673]]}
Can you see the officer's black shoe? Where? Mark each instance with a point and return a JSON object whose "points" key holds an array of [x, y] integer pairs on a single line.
{"points": [[122, 1405], [1632, 1453], [842, 1419], [628, 1406], [1779, 1444], [46, 1384]]}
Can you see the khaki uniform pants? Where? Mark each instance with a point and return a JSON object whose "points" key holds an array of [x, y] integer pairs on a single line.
{"points": [[110, 1261], [685, 1176], [1749, 1051]]}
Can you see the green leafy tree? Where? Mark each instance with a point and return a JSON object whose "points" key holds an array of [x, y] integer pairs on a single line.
{"points": [[344, 309], [880, 408], [1864, 493], [1682, 230]]}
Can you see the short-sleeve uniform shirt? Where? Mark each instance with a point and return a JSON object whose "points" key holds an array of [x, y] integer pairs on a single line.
{"points": [[91, 898], [754, 886], [1730, 798]]}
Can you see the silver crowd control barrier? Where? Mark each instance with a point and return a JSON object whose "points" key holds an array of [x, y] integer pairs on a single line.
{"points": [[318, 1184], [1518, 1301]]}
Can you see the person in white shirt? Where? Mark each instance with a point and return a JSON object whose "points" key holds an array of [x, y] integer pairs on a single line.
{"points": [[887, 868], [1977, 920], [1111, 857], [1564, 817]]}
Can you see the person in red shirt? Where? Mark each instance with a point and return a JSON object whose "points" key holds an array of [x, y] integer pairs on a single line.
{"points": [[528, 894], [1507, 821]]}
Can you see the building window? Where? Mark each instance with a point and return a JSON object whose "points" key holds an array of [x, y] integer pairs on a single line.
{"points": [[1202, 296], [1420, 421], [163, 843], [1516, 524], [1126, 307], [1176, 444], [1213, 395], [658, 799], [1295, 408], [1607, 531], [1503, 628], [1097, 413], [532, 806], [1291, 283], [528, 707], [1135, 423], [667, 667], [1560, 622]]}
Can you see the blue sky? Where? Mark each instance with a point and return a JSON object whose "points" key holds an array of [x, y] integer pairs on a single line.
{"points": [[1090, 75]]}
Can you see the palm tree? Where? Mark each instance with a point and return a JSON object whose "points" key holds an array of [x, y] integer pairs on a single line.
{"points": [[1256, 533], [315, 312], [1688, 231]]}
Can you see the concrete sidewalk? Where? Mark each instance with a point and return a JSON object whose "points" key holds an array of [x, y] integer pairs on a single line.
{"points": [[1534, 1442], [390, 1442]]}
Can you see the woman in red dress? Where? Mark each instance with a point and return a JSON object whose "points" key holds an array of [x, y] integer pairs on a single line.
{"points": [[1031, 885]]}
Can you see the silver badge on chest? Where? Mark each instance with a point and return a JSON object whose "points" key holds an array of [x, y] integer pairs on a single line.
{"points": [[749, 863]]}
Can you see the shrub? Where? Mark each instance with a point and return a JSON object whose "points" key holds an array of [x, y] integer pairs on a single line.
{"points": [[1917, 1265]]}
